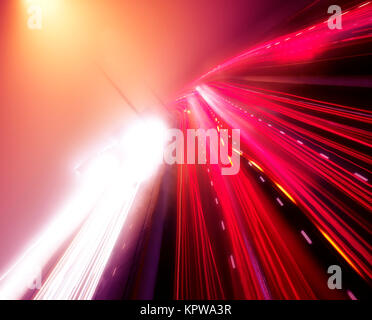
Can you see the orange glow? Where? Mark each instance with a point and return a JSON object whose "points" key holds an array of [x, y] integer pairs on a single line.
{"points": [[256, 165], [48, 6], [285, 192]]}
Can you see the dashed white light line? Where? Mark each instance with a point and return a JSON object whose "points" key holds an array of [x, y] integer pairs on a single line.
{"points": [[262, 179], [351, 295], [114, 272], [364, 4], [360, 176], [232, 261], [306, 237], [280, 202], [223, 225]]}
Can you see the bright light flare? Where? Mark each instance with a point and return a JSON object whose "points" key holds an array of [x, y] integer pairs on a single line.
{"points": [[102, 202], [17, 279], [143, 145]]}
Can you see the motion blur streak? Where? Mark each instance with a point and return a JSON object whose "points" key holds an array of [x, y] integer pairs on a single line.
{"points": [[314, 153], [77, 274], [300, 202], [101, 206]]}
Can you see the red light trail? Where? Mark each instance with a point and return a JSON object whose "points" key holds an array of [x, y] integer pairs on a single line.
{"points": [[300, 202], [310, 151]]}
